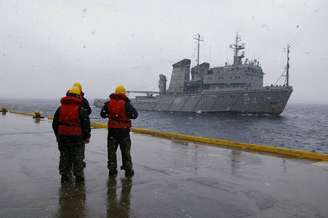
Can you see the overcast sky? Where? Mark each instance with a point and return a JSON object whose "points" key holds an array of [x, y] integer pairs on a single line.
{"points": [[46, 45]]}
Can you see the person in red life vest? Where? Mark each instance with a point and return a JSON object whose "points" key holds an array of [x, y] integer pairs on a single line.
{"points": [[71, 125], [85, 102], [119, 112]]}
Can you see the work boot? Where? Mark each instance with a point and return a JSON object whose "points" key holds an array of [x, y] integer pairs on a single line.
{"points": [[129, 173], [112, 172]]}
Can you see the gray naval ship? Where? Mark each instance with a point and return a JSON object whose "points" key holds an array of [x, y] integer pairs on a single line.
{"points": [[233, 88]]}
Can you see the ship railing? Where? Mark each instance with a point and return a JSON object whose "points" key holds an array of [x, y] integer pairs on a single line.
{"points": [[148, 93]]}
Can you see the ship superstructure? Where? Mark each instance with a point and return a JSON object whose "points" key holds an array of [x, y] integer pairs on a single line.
{"points": [[238, 75], [236, 87]]}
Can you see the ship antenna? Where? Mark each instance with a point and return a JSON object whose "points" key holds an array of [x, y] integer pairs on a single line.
{"points": [[198, 39], [287, 66], [236, 47]]}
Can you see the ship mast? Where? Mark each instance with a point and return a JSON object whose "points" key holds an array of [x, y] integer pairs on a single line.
{"points": [[197, 38], [287, 66], [236, 48]]}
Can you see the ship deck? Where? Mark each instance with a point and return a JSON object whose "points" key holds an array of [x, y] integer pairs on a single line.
{"points": [[172, 179]]}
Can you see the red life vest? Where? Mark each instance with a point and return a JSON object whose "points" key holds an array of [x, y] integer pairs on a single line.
{"points": [[69, 121], [117, 114]]}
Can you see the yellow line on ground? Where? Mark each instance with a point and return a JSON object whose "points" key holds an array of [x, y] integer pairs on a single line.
{"points": [[98, 125], [24, 113], [228, 143], [295, 153]]}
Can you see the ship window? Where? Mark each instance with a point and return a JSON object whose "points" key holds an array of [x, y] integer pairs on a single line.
{"points": [[210, 72]]}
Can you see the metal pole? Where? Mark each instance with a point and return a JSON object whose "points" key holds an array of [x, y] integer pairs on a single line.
{"points": [[198, 46], [198, 39], [287, 67]]}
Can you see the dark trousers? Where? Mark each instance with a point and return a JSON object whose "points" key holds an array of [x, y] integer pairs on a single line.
{"points": [[71, 159], [125, 145]]}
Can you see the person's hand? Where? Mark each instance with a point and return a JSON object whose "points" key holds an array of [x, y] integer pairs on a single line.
{"points": [[86, 141]]}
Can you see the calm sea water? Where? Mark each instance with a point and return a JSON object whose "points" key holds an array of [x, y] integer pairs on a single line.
{"points": [[299, 126]]}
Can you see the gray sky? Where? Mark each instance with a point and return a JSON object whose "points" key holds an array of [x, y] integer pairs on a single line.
{"points": [[46, 45]]}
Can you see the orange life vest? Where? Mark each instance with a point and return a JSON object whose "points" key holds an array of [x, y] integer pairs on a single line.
{"points": [[117, 114], [69, 120]]}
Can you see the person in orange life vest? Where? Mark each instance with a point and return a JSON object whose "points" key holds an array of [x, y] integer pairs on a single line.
{"points": [[85, 102], [71, 125], [119, 112]]}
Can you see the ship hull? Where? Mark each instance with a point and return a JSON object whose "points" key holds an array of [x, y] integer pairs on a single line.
{"points": [[267, 100]]}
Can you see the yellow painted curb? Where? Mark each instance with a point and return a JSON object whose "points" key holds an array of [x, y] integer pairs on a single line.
{"points": [[36, 115], [93, 124], [295, 153], [24, 113], [98, 125]]}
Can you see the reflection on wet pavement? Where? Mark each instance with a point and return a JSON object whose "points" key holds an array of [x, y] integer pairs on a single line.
{"points": [[235, 161], [72, 200], [118, 207]]}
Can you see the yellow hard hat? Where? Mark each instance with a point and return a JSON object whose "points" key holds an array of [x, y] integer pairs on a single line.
{"points": [[77, 84], [120, 89], [74, 90]]}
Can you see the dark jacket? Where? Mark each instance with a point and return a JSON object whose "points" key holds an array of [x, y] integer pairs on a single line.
{"points": [[85, 126], [131, 113], [85, 103]]}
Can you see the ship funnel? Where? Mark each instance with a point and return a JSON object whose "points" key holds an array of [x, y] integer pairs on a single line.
{"points": [[162, 84], [180, 74]]}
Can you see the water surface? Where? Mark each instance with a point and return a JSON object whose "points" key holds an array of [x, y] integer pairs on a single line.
{"points": [[299, 126]]}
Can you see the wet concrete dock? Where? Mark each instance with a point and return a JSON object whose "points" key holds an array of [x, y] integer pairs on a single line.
{"points": [[172, 179]]}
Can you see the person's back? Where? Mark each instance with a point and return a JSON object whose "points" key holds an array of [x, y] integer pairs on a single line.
{"points": [[119, 111], [71, 126]]}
